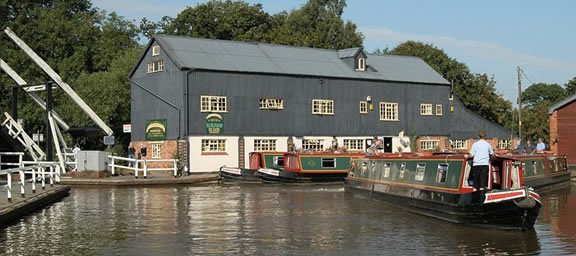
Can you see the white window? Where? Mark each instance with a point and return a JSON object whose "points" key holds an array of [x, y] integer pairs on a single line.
{"points": [[155, 50], [323, 107], [156, 150], [428, 144], [388, 111], [442, 173], [155, 66], [363, 107], [213, 145], [313, 145], [426, 109], [278, 161], [459, 144], [361, 65], [387, 170], [354, 144], [271, 103], [264, 145], [212, 104], [420, 168], [504, 144], [402, 170], [328, 162], [439, 109]]}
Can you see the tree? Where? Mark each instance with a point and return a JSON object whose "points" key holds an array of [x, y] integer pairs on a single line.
{"points": [[542, 93], [571, 87], [318, 24], [227, 20], [476, 91]]}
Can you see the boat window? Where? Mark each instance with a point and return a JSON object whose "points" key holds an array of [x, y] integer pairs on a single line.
{"points": [[328, 162], [363, 168], [278, 161], [387, 170], [534, 167], [441, 173], [420, 172], [402, 169]]}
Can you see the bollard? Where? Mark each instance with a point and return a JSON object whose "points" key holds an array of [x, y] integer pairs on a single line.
{"points": [[137, 169], [175, 168], [113, 166], [51, 176], [58, 173], [145, 169]]}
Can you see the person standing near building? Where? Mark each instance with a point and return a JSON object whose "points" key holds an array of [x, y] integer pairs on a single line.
{"points": [[480, 152], [540, 147]]}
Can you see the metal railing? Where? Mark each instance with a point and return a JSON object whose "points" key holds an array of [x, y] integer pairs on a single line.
{"points": [[134, 164], [12, 155], [38, 174]]}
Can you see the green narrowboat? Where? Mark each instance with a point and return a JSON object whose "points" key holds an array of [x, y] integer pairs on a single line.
{"points": [[321, 167], [436, 185], [539, 170]]}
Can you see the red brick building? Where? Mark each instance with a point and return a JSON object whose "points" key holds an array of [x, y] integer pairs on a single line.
{"points": [[562, 129]]}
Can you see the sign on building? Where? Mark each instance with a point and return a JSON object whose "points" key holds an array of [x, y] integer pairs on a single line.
{"points": [[214, 124], [156, 129]]}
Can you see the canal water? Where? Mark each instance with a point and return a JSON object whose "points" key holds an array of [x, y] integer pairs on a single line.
{"points": [[269, 220]]}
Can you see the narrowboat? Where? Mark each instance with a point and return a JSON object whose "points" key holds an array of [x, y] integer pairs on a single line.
{"points": [[257, 160], [320, 167], [539, 170], [436, 185]]}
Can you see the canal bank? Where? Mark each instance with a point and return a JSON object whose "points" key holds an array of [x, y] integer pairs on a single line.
{"points": [[154, 178], [21, 205]]}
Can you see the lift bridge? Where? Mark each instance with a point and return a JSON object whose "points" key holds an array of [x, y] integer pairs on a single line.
{"points": [[56, 125]]}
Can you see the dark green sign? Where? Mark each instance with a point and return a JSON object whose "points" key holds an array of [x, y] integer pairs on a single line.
{"points": [[214, 124], [156, 129]]}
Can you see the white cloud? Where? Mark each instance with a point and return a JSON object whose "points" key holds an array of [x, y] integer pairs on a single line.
{"points": [[484, 50]]}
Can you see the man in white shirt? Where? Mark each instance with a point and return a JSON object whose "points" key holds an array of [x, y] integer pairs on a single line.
{"points": [[481, 151]]}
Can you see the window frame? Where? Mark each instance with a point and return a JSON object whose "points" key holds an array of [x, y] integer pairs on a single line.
{"points": [[424, 144], [354, 144], [313, 144], [439, 109], [264, 145], [442, 172], [425, 109], [507, 144], [214, 146], [322, 107], [459, 144], [156, 149], [420, 172], [361, 64], [213, 104], [363, 107], [389, 111], [271, 103], [328, 162], [155, 66], [155, 50]]}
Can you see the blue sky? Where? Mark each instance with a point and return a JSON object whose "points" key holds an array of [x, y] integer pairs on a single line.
{"points": [[490, 36]]}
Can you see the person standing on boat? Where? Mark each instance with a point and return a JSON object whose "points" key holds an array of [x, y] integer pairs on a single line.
{"points": [[480, 152], [540, 147], [529, 148]]}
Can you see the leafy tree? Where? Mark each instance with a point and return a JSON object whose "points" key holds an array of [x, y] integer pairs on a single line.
{"points": [[543, 93], [571, 87], [476, 91], [228, 20], [318, 24]]}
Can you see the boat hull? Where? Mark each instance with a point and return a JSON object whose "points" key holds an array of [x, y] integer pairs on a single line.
{"points": [[279, 176], [543, 181], [452, 207], [238, 175]]}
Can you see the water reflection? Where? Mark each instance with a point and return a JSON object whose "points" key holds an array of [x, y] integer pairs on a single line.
{"points": [[267, 220]]}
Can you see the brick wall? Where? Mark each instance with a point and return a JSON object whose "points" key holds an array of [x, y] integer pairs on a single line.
{"points": [[554, 132], [169, 150]]}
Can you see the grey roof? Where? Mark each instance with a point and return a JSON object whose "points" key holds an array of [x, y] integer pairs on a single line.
{"points": [[209, 54], [348, 53], [561, 104]]}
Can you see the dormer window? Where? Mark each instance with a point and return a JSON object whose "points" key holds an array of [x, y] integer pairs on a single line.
{"points": [[155, 50], [361, 64]]}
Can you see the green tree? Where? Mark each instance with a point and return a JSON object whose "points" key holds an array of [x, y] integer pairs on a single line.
{"points": [[571, 87], [476, 91], [542, 93], [318, 24], [228, 20]]}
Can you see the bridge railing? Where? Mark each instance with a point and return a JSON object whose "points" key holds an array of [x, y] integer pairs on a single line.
{"points": [[38, 173], [116, 162]]}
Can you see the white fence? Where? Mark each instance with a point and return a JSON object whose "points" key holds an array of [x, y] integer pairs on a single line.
{"points": [[38, 174], [141, 165]]}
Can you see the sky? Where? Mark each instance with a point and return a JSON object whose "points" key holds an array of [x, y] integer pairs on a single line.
{"points": [[490, 36]]}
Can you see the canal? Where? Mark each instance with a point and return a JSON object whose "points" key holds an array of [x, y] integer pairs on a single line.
{"points": [[268, 220]]}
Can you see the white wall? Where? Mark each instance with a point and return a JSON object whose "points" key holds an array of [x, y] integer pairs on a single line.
{"points": [[212, 162]]}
